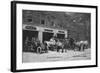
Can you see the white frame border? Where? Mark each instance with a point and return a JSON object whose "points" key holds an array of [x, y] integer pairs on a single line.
{"points": [[21, 65]]}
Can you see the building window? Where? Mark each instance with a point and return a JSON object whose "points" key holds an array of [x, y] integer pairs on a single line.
{"points": [[27, 16], [52, 23], [29, 20], [42, 21]]}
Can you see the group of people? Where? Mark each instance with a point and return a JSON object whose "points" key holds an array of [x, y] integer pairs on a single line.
{"points": [[54, 44], [34, 45]]}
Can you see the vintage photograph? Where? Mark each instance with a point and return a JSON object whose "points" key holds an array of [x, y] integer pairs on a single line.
{"points": [[49, 36]]}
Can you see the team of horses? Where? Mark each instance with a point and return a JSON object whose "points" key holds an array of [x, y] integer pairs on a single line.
{"points": [[59, 45]]}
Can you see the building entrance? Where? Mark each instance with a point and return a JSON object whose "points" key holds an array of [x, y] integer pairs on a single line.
{"points": [[60, 36], [30, 34], [47, 36], [27, 35]]}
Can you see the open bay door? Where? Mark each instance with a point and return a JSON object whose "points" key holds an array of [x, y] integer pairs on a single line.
{"points": [[47, 36], [60, 36]]}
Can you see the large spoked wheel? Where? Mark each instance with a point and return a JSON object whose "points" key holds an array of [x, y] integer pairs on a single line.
{"points": [[39, 50]]}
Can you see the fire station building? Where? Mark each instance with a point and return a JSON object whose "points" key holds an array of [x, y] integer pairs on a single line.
{"points": [[42, 25]]}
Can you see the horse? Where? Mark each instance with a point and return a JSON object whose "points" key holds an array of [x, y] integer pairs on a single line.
{"points": [[85, 44], [50, 45], [59, 46], [71, 43], [81, 45], [66, 45], [78, 46]]}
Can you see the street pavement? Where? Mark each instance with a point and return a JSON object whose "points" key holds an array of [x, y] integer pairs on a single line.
{"points": [[56, 56]]}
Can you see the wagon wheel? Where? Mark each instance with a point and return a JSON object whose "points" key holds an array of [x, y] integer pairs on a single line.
{"points": [[39, 50]]}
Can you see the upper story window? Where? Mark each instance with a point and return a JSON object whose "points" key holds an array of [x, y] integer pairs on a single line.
{"points": [[27, 16], [42, 21]]}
